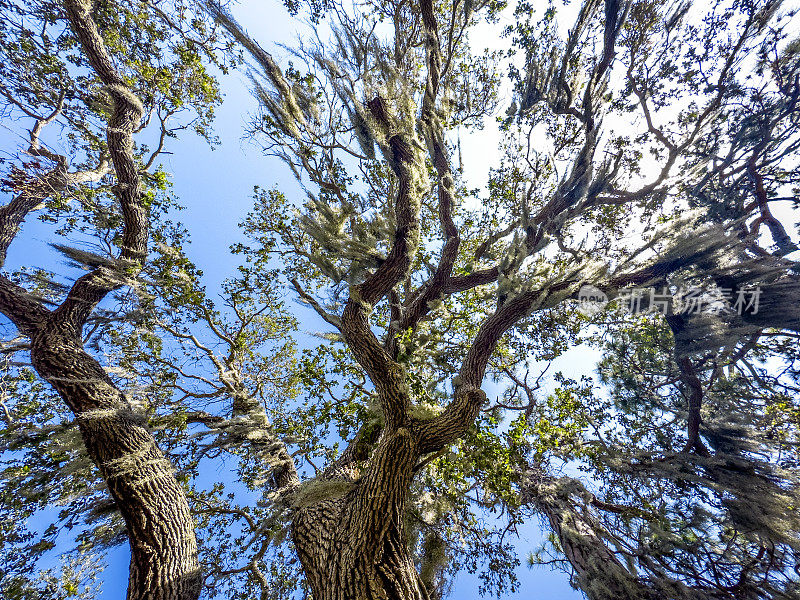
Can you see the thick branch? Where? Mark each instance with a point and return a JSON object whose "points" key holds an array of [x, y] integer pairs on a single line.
{"points": [[24, 311], [140, 478], [385, 374], [434, 134], [126, 114], [599, 572], [779, 236], [462, 410]]}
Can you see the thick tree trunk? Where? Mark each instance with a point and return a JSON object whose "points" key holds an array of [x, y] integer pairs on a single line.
{"points": [[349, 534], [338, 565], [141, 480], [600, 575]]}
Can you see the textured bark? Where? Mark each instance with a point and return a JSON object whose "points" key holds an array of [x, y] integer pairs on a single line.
{"points": [[141, 480], [164, 564], [599, 573], [259, 437], [350, 535]]}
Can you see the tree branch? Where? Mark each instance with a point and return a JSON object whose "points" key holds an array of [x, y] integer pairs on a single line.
{"points": [[126, 114]]}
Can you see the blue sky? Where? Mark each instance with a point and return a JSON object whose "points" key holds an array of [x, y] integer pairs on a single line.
{"points": [[216, 187]]}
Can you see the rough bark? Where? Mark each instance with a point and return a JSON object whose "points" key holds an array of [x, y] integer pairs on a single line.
{"points": [[350, 536], [164, 564], [599, 573], [140, 478]]}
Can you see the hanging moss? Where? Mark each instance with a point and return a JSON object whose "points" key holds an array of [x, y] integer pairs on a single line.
{"points": [[321, 490]]}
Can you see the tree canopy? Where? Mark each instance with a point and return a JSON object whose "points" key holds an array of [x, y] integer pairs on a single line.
{"points": [[647, 158]]}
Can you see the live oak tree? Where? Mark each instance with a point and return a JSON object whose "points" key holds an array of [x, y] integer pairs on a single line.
{"points": [[97, 74], [642, 148], [392, 99]]}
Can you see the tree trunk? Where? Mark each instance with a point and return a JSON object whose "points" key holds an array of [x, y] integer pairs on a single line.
{"points": [[349, 533], [599, 573], [141, 479]]}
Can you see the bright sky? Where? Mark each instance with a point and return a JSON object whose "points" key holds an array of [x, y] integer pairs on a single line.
{"points": [[216, 187]]}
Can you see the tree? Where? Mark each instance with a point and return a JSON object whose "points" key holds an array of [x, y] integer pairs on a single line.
{"points": [[637, 120], [62, 66]]}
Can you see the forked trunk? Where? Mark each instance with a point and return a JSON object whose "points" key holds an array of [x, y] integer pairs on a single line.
{"points": [[349, 535], [337, 564]]}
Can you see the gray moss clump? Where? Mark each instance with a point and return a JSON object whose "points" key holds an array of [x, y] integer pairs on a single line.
{"points": [[425, 410], [315, 490], [434, 560]]}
